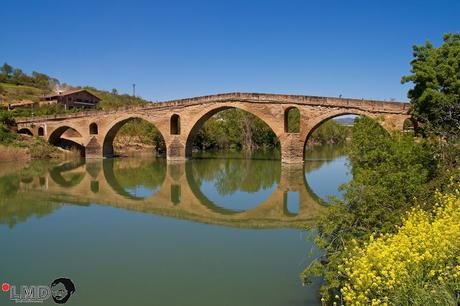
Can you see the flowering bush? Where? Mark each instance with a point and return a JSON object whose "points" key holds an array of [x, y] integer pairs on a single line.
{"points": [[418, 265]]}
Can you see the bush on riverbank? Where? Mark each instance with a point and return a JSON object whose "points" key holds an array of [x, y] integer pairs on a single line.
{"points": [[418, 265], [389, 172], [27, 147]]}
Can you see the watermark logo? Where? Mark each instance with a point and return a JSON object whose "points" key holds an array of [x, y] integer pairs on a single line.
{"points": [[60, 291]]}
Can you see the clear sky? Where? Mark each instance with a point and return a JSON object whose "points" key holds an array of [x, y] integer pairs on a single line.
{"points": [[176, 49]]}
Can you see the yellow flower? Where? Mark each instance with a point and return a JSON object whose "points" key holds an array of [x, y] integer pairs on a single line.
{"points": [[427, 244]]}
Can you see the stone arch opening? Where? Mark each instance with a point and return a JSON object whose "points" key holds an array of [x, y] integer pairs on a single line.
{"points": [[292, 120], [291, 203], [41, 131], [133, 135], [93, 129], [236, 129], [67, 138], [410, 126], [175, 125], [25, 131], [333, 130]]}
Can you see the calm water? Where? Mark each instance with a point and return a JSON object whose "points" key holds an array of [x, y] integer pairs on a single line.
{"points": [[212, 231]]}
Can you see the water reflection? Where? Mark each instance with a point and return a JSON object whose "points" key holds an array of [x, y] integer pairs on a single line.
{"points": [[134, 249], [230, 192], [326, 168]]}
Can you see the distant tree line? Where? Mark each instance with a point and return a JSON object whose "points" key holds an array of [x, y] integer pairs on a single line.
{"points": [[16, 76]]}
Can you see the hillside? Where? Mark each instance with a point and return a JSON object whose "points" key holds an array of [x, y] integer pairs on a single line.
{"points": [[11, 94]]}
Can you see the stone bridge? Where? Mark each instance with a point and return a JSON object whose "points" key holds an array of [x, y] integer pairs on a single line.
{"points": [[179, 120]]}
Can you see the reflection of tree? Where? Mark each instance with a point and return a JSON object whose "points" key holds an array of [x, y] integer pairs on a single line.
{"points": [[324, 152], [9, 185], [136, 172], [231, 175], [19, 208]]}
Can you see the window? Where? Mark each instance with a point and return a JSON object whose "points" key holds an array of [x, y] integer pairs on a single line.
{"points": [[292, 120], [175, 125], [93, 129]]}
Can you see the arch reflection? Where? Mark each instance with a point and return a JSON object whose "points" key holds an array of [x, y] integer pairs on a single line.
{"points": [[174, 190]]}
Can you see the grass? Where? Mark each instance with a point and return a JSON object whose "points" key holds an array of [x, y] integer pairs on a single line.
{"points": [[13, 93]]}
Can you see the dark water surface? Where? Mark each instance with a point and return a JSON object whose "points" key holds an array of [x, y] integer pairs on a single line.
{"points": [[220, 230]]}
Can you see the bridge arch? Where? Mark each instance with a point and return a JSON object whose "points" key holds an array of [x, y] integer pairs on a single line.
{"points": [[57, 133], [208, 113], [70, 141], [317, 122], [115, 126], [25, 131]]}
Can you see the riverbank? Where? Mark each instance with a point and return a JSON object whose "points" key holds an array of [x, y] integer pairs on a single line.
{"points": [[25, 148]]}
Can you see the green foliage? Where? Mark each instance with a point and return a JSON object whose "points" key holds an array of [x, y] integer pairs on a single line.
{"points": [[329, 132], [16, 76], [293, 120], [146, 133], [389, 172], [6, 137], [6, 120], [435, 98], [234, 129], [7, 69], [40, 149]]}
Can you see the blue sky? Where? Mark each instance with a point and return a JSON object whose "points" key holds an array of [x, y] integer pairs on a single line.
{"points": [[177, 49]]}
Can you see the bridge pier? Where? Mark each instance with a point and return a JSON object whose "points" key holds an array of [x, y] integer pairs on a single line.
{"points": [[93, 149], [291, 148], [175, 149]]}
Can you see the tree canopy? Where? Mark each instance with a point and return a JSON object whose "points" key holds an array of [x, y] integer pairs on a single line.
{"points": [[435, 97]]}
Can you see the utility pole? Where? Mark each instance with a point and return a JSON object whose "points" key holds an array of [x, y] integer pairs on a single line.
{"points": [[134, 90]]}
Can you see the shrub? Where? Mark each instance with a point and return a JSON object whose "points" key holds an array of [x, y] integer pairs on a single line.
{"points": [[418, 265]]}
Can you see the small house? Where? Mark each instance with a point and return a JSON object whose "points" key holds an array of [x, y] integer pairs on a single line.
{"points": [[78, 98]]}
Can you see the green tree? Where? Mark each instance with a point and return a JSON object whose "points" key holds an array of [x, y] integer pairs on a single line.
{"points": [[7, 69], [435, 97], [41, 80]]}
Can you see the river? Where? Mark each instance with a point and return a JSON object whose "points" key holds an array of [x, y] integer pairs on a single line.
{"points": [[215, 230]]}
